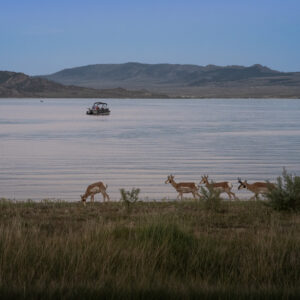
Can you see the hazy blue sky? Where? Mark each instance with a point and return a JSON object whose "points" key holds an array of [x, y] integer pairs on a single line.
{"points": [[43, 36]]}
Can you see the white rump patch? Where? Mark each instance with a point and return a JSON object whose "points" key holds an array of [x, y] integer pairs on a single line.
{"points": [[95, 189]]}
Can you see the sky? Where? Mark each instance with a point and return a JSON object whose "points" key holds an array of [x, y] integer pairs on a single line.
{"points": [[42, 36]]}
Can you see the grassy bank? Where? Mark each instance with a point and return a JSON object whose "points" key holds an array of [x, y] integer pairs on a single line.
{"points": [[172, 250]]}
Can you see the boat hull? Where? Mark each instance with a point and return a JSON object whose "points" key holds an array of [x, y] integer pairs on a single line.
{"points": [[98, 113]]}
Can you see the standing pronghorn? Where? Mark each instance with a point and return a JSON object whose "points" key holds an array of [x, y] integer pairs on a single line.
{"points": [[222, 187], [95, 188], [183, 187], [256, 187]]}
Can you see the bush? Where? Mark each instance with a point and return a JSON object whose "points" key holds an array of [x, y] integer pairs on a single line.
{"points": [[286, 194], [211, 197], [129, 197]]}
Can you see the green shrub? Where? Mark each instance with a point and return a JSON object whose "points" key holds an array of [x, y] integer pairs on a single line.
{"points": [[211, 198], [286, 194], [129, 197]]}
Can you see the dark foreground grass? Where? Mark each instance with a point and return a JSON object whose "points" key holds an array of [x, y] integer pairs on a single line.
{"points": [[244, 250]]}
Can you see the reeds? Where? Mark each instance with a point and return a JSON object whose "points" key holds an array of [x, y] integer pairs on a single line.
{"points": [[171, 250]]}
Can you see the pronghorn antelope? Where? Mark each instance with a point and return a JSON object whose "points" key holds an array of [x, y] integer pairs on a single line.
{"points": [[95, 188], [183, 187], [222, 187], [256, 187]]}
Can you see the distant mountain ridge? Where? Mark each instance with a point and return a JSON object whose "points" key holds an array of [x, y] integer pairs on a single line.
{"points": [[17, 85], [158, 73], [185, 80]]}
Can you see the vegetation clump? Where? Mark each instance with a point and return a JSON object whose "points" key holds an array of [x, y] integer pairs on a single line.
{"points": [[286, 194], [129, 197], [211, 198]]}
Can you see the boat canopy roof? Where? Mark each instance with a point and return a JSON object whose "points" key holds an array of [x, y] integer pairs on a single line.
{"points": [[100, 103]]}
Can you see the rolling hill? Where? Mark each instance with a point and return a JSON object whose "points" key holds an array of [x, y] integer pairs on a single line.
{"points": [[19, 85], [185, 80]]}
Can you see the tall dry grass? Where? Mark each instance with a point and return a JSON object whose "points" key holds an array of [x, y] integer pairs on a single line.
{"points": [[170, 250]]}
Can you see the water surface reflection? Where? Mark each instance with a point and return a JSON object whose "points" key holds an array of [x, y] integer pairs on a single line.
{"points": [[53, 150]]}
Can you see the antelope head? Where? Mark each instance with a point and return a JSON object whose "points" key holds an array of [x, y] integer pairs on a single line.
{"points": [[204, 179], [242, 184], [170, 179], [83, 199]]}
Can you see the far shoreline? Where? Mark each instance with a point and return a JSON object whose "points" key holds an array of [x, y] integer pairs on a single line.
{"points": [[169, 98]]}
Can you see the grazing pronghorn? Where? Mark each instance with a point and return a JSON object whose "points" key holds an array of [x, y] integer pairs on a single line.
{"points": [[256, 187], [222, 187], [95, 188], [183, 187]]}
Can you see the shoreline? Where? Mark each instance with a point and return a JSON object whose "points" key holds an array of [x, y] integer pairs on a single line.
{"points": [[155, 98]]}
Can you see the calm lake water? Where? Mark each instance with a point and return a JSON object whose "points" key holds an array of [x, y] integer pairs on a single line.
{"points": [[52, 149]]}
